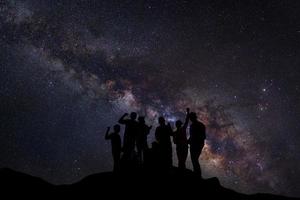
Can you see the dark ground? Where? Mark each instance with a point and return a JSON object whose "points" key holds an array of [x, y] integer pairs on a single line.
{"points": [[140, 185]]}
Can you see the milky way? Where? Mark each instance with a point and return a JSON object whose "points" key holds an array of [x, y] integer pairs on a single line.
{"points": [[70, 69]]}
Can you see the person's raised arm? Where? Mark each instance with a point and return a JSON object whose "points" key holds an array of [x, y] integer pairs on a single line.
{"points": [[122, 120], [187, 118], [107, 136]]}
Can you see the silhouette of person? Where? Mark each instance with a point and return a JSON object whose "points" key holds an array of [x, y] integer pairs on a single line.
{"points": [[180, 139], [141, 138], [162, 136], [115, 139], [131, 127], [196, 141]]}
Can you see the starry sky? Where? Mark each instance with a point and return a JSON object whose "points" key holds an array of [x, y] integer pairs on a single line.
{"points": [[69, 69]]}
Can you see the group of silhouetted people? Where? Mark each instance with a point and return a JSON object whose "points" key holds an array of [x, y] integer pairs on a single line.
{"points": [[135, 150]]}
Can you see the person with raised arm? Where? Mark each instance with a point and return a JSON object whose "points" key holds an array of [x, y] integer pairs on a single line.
{"points": [[180, 140]]}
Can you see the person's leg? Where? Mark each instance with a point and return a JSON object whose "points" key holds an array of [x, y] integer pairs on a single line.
{"points": [[170, 157], [144, 151], [195, 157], [116, 158], [139, 154], [184, 156], [195, 153], [181, 155], [167, 160]]}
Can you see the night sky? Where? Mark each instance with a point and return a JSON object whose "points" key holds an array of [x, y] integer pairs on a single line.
{"points": [[69, 69]]}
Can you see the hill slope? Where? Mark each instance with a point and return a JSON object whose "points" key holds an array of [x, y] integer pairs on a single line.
{"points": [[173, 184]]}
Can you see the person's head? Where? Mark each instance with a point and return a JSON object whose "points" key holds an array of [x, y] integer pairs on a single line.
{"points": [[133, 115], [141, 119], [117, 128], [178, 124], [161, 121], [193, 116]]}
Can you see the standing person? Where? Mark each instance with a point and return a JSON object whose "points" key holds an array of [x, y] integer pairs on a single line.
{"points": [[115, 139], [141, 139], [180, 139], [196, 140], [162, 136], [131, 126]]}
